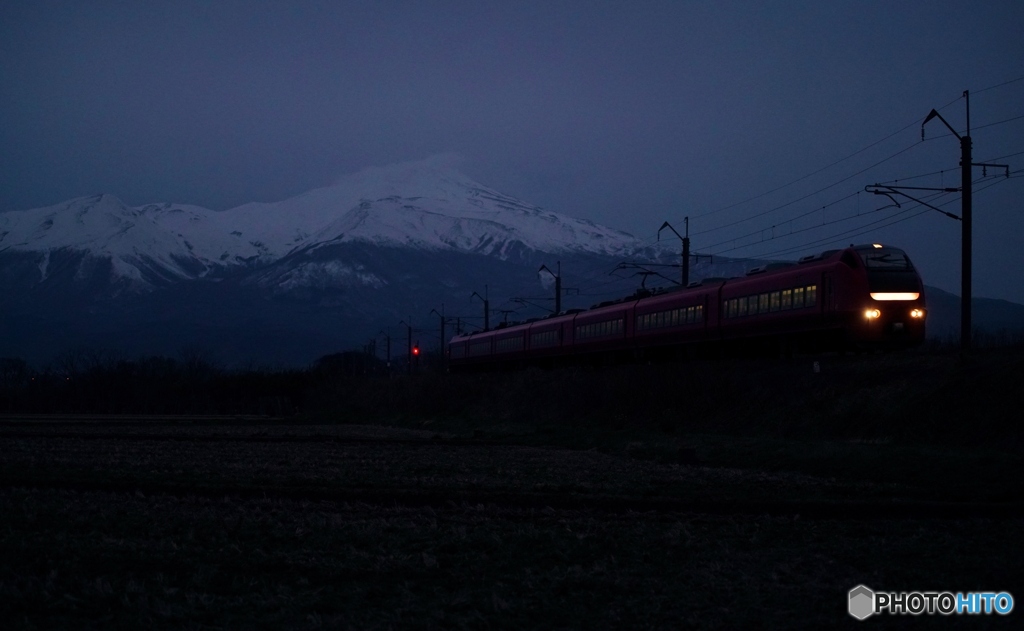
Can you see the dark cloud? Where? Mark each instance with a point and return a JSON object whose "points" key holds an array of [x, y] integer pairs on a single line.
{"points": [[624, 113]]}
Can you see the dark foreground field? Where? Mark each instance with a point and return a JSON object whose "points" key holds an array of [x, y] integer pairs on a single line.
{"points": [[760, 503]]}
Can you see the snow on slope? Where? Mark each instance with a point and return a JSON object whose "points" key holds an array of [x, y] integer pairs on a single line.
{"points": [[431, 205], [103, 226], [426, 204]]}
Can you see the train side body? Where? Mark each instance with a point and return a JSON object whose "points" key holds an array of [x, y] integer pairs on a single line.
{"points": [[863, 296]]}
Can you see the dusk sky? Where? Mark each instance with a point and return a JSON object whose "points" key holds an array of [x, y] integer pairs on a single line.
{"points": [[626, 113]]}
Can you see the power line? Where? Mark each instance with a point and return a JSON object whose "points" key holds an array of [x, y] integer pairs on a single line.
{"points": [[943, 171], [852, 155], [859, 230], [830, 237], [917, 177], [829, 166], [998, 85], [844, 219], [1009, 155], [849, 233], [790, 203], [977, 127], [791, 220]]}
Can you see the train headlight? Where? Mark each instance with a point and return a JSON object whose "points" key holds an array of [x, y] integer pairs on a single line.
{"points": [[917, 314], [895, 295], [872, 314]]}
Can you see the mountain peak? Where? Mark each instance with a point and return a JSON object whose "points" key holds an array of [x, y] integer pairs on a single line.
{"points": [[426, 204], [432, 175]]}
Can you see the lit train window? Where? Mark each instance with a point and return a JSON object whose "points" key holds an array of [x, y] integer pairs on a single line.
{"points": [[787, 299], [599, 329], [544, 338], [812, 293], [661, 319], [798, 297], [510, 344], [762, 303], [774, 301]]}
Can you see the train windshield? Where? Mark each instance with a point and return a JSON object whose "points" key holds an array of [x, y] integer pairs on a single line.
{"points": [[885, 258], [891, 276]]}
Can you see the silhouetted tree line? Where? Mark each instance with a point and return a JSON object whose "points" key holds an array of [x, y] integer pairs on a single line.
{"points": [[925, 393], [87, 382]]}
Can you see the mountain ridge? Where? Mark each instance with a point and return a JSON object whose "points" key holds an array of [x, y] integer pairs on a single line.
{"points": [[425, 204]]}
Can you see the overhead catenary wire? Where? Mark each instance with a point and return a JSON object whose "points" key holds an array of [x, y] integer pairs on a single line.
{"points": [[998, 85], [830, 237], [853, 232], [849, 156], [887, 137], [1006, 120], [864, 229], [948, 170], [793, 219], [815, 210], [800, 199], [820, 170], [1009, 155], [917, 177], [927, 198], [826, 167]]}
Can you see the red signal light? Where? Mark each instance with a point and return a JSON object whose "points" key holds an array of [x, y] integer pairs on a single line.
{"points": [[415, 350]]}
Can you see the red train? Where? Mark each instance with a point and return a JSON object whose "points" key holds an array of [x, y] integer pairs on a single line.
{"points": [[858, 297]]}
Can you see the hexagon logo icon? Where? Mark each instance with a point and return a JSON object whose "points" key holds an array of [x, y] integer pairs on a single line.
{"points": [[862, 602]]}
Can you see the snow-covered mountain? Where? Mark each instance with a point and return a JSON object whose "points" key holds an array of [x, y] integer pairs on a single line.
{"points": [[135, 243], [295, 279], [427, 205]]}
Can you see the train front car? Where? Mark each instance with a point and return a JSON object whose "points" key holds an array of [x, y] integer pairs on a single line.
{"points": [[893, 312]]}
